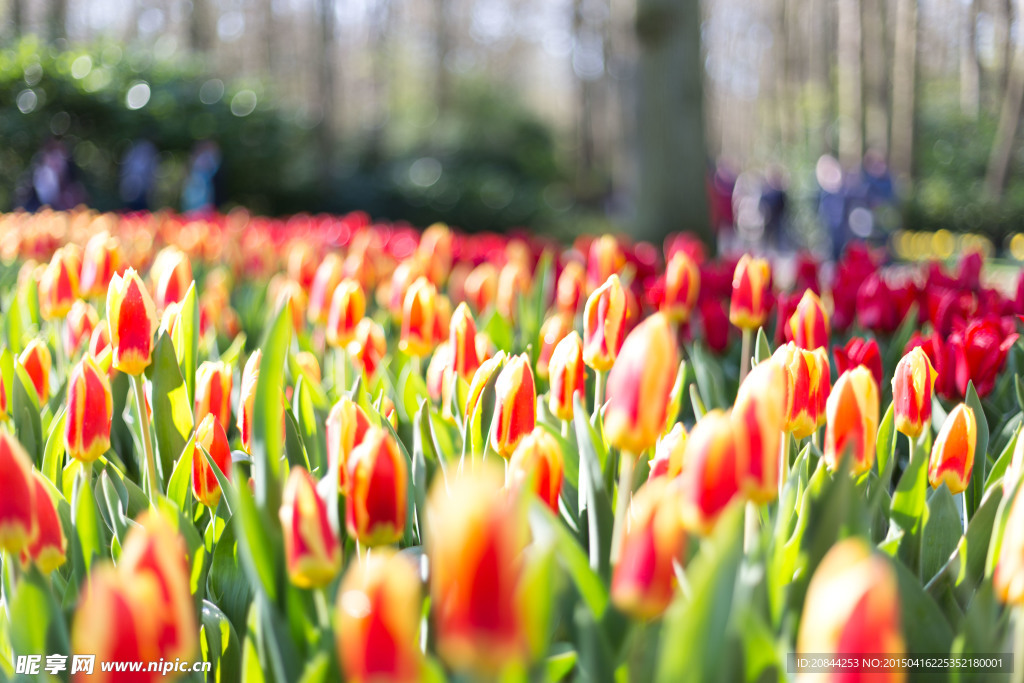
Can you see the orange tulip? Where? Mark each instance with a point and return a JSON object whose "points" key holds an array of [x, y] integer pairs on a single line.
{"points": [[49, 550], [247, 397], [376, 496], [682, 285], [569, 291], [554, 330], [644, 580], [913, 385], [290, 292], [852, 420], [481, 377], [210, 435], [213, 392], [603, 322], [89, 412], [668, 454], [475, 542], [435, 248], [378, 620], [802, 380], [346, 427], [19, 526], [418, 314], [368, 347], [640, 386], [1008, 578], [36, 360], [101, 259], [852, 608], [301, 265], [716, 453], [824, 387], [58, 286], [321, 292], [515, 408], [348, 306], [761, 409], [81, 321], [567, 376], [751, 285], [307, 365], [481, 286], [408, 272], [311, 548], [604, 259], [462, 342], [537, 463], [809, 323], [172, 277], [952, 457], [131, 319]]}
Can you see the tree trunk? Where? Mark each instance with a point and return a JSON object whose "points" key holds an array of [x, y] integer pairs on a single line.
{"points": [[850, 68], [269, 39], [198, 27], [1002, 147], [442, 45], [876, 77], [584, 106], [57, 20], [17, 14], [325, 88], [904, 82], [969, 73], [673, 162]]}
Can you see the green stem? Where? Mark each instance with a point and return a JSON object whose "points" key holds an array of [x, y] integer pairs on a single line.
{"points": [[751, 527], [565, 429], [784, 460], [1018, 646], [621, 503], [147, 439], [599, 392], [748, 337]]}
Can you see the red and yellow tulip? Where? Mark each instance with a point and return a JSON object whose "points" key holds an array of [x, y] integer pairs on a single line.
{"points": [[462, 342], [761, 409], [37, 361], [131, 320], [751, 293], [19, 526], [952, 457], [213, 392], [603, 325], [715, 455], [418, 313], [247, 397], [567, 376], [682, 285], [89, 412], [515, 409], [211, 436], [808, 325], [348, 306], [311, 548], [852, 420], [49, 549], [537, 463], [375, 496], [58, 286], [913, 386]]}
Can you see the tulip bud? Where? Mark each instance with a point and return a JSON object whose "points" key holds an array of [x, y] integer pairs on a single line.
{"points": [[101, 259], [809, 323], [321, 292], [802, 380], [36, 360], [213, 392], [515, 407], [513, 282], [751, 293], [913, 386], [859, 351], [462, 342], [301, 265], [552, 331], [368, 347], [58, 286], [714, 456], [640, 386], [290, 292], [569, 291], [668, 454], [408, 272], [439, 370], [49, 550], [375, 498], [89, 412], [19, 526], [81, 321], [378, 620], [131, 319], [852, 420], [1008, 578], [348, 306], [824, 386], [475, 542], [852, 608], [604, 259], [418, 313], [346, 427], [761, 408], [210, 435], [387, 409], [952, 457], [603, 320], [435, 248], [307, 364], [155, 552], [247, 397], [682, 285], [480, 379], [644, 578], [482, 286], [537, 462], [567, 376], [173, 278], [311, 547]]}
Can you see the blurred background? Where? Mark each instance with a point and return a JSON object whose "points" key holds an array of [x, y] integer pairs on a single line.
{"points": [[783, 123]]}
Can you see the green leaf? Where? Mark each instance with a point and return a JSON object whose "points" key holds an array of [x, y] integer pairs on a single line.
{"points": [[976, 488], [699, 410], [547, 529], [172, 411], [179, 489], [762, 350], [600, 517], [966, 568], [927, 629], [885, 445], [260, 554], [558, 666], [85, 519], [227, 583], [53, 453], [7, 374], [305, 417], [186, 340], [942, 532], [39, 624], [267, 422], [710, 380], [1003, 461], [220, 644], [25, 410], [908, 508]]}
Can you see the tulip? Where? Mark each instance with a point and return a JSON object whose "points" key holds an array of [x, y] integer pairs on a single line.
{"points": [[668, 454], [101, 259], [311, 548], [289, 292], [4, 416], [751, 293], [308, 366], [368, 347], [824, 387], [378, 620], [482, 286], [301, 265], [346, 427], [418, 314], [19, 526], [213, 392], [348, 306], [406, 274], [172, 279], [980, 352], [681, 287], [567, 376], [99, 341], [154, 552], [438, 370], [131, 319], [852, 608], [81, 321], [462, 342], [603, 321], [49, 550], [644, 579], [859, 352], [809, 323], [1008, 578], [247, 397], [761, 408], [513, 282], [942, 356], [205, 485], [515, 409], [552, 331], [604, 259], [538, 463], [375, 498], [36, 360], [912, 387], [713, 458], [435, 248], [640, 386], [570, 287], [475, 542], [852, 420], [481, 377], [803, 380], [58, 286], [952, 457], [321, 291], [89, 412], [716, 325]]}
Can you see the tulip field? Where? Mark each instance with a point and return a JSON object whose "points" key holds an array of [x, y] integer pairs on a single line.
{"points": [[322, 448]]}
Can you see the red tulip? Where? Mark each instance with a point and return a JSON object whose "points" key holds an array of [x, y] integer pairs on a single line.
{"points": [[80, 323], [346, 427], [751, 293], [859, 351], [368, 347], [567, 376], [537, 462], [205, 485], [36, 360], [852, 420], [311, 548], [980, 352], [49, 550], [58, 286], [809, 324], [348, 306], [19, 525], [552, 331], [375, 498], [716, 453], [952, 456], [913, 384], [515, 408], [668, 454], [571, 284], [603, 325], [462, 342], [213, 392], [101, 259], [247, 397], [326, 278], [89, 412], [131, 319]]}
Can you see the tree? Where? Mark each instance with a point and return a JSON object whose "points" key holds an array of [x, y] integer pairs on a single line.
{"points": [[850, 68], [876, 76], [969, 70], [57, 20], [325, 87], [673, 161], [904, 82], [1009, 117]]}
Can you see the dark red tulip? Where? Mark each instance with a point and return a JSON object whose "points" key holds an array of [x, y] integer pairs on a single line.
{"points": [[859, 351], [980, 352]]}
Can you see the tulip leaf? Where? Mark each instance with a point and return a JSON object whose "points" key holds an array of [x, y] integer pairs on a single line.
{"points": [[499, 330], [89, 537], [908, 500], [260, 553], [7, 375], [305, 417], [39, 626], [413, 389], [222, 479], [178, 487], [699, 410], [592, 489], [294, 448], [999, 526], [226, 582], [114, 506], [977, 485], [762, 350], [318, 669], [942, 531], [966, 568], [927, 630], [172, 411], [558, 665], [1018, 385], [186, 340], [708, 374], [25, 411], [317, 395], [546, 529], [220, 645], [885, 446], [53, 453], [1003, 461], [267, 423]]}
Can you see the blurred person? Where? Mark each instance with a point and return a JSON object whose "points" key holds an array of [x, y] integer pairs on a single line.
{"points": [[832, 202], [52, 180], [721, 183], [201, 192], [746, 202], [138, 173], [774, 206]]}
